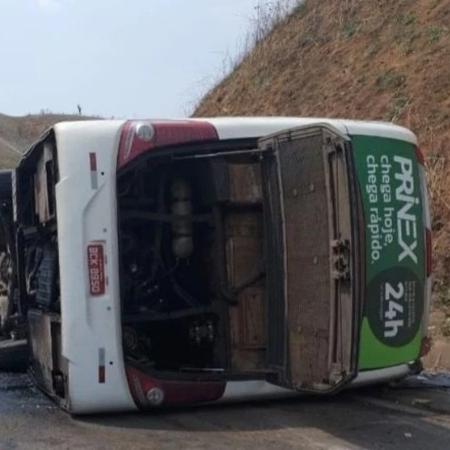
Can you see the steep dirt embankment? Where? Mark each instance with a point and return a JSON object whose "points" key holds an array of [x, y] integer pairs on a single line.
{"points": [[383, 60], [18, 133]]}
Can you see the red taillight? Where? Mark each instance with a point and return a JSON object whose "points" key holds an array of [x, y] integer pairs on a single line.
{"points": [[151, 392], [425, 346], [429, 243], [419, 156], [138, 137]]}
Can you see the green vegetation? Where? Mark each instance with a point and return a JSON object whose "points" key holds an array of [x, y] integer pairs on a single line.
{"points": [[350, 29], [399, 105], [435, 33], [390, 80], [407, 19], [407, 31]]}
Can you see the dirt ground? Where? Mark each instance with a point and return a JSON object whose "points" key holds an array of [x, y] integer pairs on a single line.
{"points": [[375, 419]]}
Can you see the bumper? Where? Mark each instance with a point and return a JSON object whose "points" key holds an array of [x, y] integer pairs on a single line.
{"points": [[382, 375]]}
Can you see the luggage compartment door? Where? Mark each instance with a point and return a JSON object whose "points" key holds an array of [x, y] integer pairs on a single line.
{"points": [[311, 222]]}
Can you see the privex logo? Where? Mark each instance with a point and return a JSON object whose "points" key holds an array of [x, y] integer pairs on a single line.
{"points": [[96, 268], [406, 219]]}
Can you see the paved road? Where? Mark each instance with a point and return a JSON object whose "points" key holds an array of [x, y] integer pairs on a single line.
{"points": [[367, 419]]}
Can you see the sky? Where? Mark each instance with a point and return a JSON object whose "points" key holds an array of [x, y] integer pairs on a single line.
{"points": [[116, 58]]}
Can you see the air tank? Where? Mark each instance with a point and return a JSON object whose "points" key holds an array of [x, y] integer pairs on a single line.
{"points": [[181, 209]]}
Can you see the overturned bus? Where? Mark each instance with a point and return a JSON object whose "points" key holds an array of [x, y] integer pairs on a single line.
{"points": [[167, 262]]}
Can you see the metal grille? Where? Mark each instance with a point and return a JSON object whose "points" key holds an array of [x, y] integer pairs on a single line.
{"points": [[307, 257]]}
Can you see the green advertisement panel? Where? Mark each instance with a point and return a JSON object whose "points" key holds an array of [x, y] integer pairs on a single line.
{"points": [[388, 178]]}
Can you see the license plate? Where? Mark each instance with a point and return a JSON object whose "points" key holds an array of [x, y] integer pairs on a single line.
{"points": [[96, 267]]}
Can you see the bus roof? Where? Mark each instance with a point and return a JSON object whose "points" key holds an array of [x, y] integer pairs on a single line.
{"points": [[241, 127]]}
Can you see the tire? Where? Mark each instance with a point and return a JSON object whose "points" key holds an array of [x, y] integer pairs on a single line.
{"points": [[14, 355]]}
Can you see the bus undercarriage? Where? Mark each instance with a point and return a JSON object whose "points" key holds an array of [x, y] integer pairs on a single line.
{"points": [[192, 263]]}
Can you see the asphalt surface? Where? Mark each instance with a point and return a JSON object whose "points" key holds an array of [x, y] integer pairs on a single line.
{"points": [[373, 419]]}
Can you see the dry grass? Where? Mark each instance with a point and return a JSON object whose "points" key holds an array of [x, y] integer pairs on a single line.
{"points": [[438, 171], [18, 133], [348, 58]]}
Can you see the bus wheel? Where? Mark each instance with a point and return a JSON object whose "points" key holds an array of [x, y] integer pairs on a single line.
{"points": [[14, 355]]}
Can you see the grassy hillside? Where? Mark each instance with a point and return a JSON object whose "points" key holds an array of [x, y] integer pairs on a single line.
{"points": [[17, 133], [385, 60]]}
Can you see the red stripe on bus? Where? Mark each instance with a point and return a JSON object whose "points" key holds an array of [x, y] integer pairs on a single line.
{"points": [[101, 374], [165, 134], [93, 162], [419, 156], [429, 250]]}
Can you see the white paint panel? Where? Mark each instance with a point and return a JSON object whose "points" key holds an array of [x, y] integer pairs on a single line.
{"points": [[381, 375], [85, 214], [254, 389], [260, 389], [246, 127]]}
